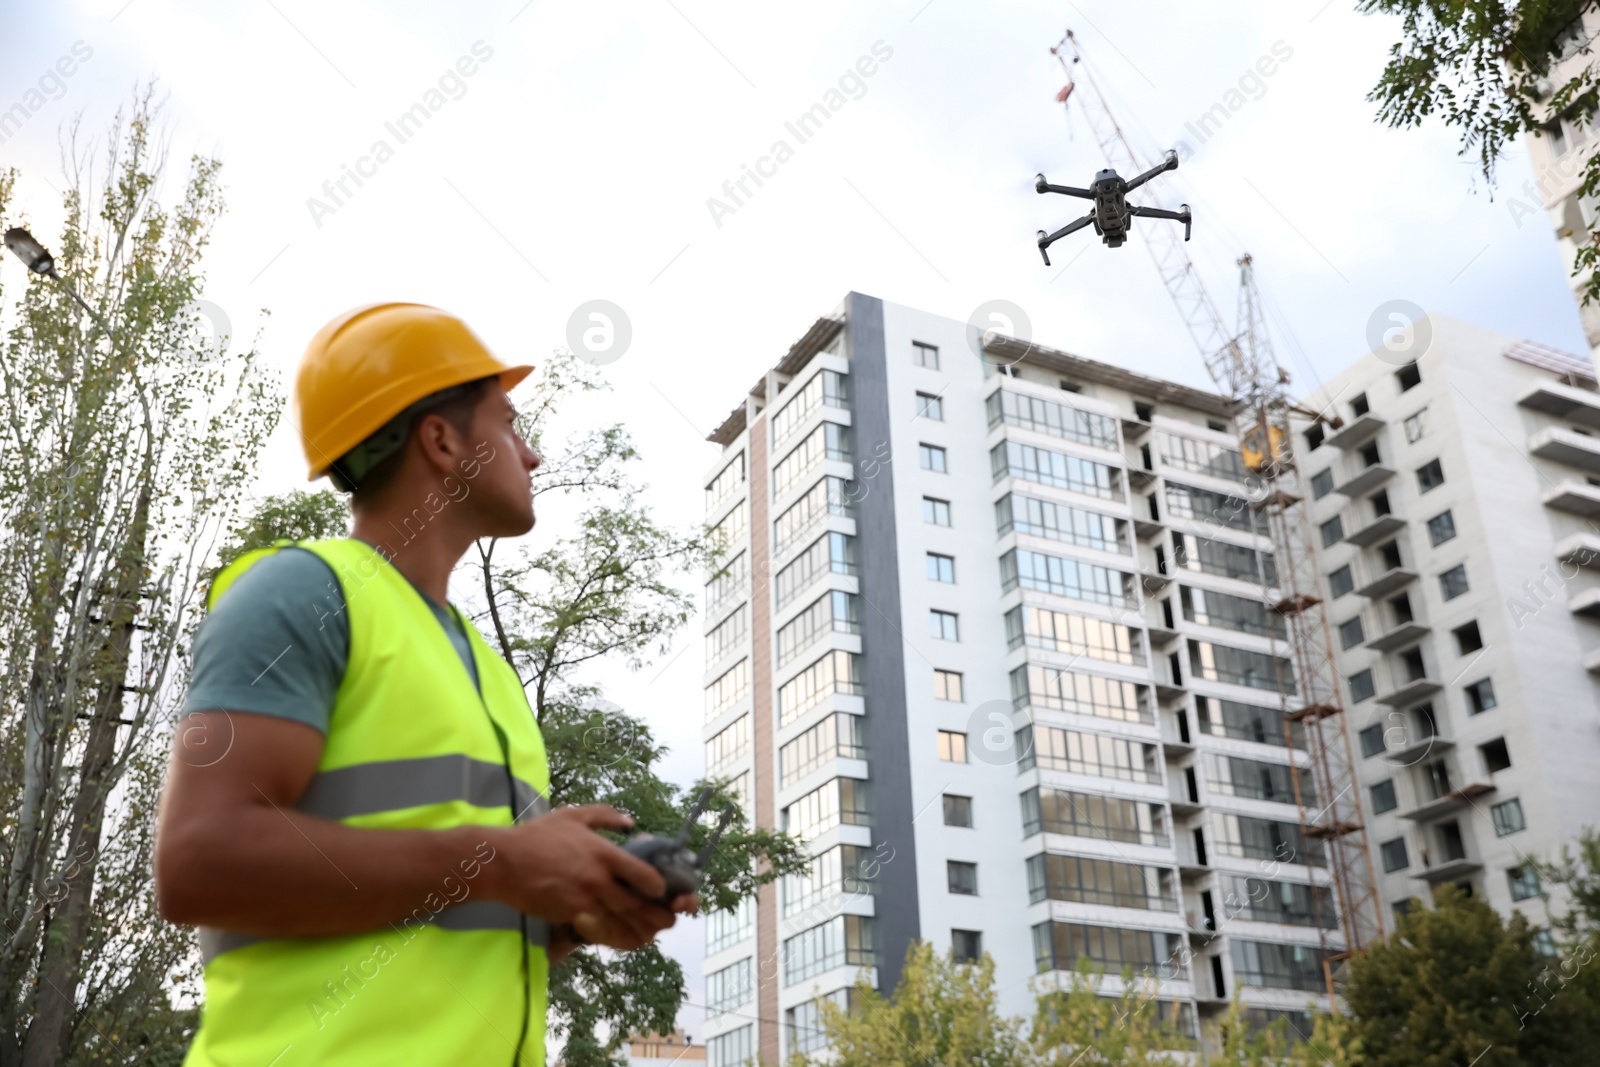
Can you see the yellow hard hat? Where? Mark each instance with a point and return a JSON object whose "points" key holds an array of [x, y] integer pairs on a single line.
{"points": [[371, 364]]}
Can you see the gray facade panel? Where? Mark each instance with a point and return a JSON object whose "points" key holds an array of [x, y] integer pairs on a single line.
{"points": [[887, 729]]}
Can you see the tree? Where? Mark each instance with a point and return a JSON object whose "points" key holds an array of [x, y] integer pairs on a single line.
{"points": [[602, 594], [1459, 984], [128, 437], [1490, 69], [293, 516], [1078, 1026], [1579, 877], [941, 1013]]}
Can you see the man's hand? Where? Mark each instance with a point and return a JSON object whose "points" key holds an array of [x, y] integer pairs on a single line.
{"points": [[603, 928], [558, 868]]}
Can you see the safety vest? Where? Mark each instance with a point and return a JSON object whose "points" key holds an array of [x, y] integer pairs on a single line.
{"points": [[411, 744]]}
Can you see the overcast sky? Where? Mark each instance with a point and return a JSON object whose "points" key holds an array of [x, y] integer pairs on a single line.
{"points": [[576, 162]]}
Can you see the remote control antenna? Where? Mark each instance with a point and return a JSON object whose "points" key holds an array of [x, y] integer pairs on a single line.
{"points": [[694, 813], [716, 835]]}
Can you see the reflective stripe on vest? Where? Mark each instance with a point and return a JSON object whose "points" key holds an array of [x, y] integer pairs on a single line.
{"points": [[411, 744]]}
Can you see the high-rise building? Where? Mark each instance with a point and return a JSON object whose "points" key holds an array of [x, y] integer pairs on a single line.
{"points": [[1457, 507], [992, 640], [1558, 153]]}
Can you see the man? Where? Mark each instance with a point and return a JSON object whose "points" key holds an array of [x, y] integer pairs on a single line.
{"points": [[355, 810]]}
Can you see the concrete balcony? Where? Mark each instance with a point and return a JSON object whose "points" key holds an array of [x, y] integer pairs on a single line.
{"points": [[1574, 497], [1451, 801], [1415, 750], [1366, 481], [1399, 637], [1581, 550], [1565, 402], [1566, 446], [1414, 690], [1591, 661], [1449, 870], [1379, 529], [1143, 528], [1586, 603], [1389, 581], [1355, 433]]}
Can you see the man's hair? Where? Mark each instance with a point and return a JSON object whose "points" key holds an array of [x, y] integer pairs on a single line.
{"points": [[457, 405]]}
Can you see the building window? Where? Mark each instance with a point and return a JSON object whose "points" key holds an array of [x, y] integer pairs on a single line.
{"points": [[1453, 582], [1350, 633], [1496, 757], [1332, 532], [1341, 581], [1430, 476], [957, 810], [1441, 528], [1217, 425], [942, 626], [947, 685], [941, 568], [962, 877], [952, 746], [1314, 437], [733, 1049], [1070, 387], [966, 946], [1545, 944], [1383, 797], [932, 458], [1322, 483], [730, 988], [930, 406], [1372, 740], [1417, 426], [1468, 639], [1361, 687], [1394, 855], [924, 355], [1408, 376], [1524, 881], [1507, 816], [729, 926], [1359, 405], [935, 512], [1480, 696]]}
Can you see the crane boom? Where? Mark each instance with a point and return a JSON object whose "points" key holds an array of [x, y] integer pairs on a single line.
{"points": [[1242, 365]]}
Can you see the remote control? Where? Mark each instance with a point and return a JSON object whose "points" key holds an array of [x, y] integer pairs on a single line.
{"points": [[681, 866]]}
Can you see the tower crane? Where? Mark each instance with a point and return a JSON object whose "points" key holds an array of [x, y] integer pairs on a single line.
{"points": [[1241, 363]]}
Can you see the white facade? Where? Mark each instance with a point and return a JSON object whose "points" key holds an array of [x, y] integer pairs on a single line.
{"points": [[1115, 620], [1478, 790]]}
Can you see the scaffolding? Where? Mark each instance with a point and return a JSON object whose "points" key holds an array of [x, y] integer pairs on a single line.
{"points": [[1242, 365]]}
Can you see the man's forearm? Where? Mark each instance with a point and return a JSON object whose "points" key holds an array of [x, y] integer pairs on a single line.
{"points": [[281, 873]]}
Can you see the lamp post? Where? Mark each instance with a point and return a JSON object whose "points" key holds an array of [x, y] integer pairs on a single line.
{"points": [[38, 259]]}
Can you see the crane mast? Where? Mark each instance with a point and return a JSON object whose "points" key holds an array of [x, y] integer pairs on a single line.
{"points": [[1242, 364]]}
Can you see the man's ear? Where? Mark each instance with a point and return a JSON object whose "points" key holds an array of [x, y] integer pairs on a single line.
{"points": [[442, 445]]}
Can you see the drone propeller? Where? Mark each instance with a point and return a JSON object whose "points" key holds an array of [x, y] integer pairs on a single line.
{"points": [[716, 835]]}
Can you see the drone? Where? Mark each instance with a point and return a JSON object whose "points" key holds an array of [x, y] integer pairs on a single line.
{"points": [[1112, 215]]}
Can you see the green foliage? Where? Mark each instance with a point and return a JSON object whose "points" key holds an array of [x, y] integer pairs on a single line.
{"points": [[1494, 71], [127, 438], [942, 1013], [1458, 984], [295, 516], [608, 593], [1578, 877], [1078, 1026]]}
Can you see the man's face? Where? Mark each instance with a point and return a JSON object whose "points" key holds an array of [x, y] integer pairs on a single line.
{"points": [[500, 471]]}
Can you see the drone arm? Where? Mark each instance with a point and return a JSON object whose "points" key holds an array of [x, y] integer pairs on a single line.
{"points": [[1042, 186], [1169, 162], [1181, 215], [1046, 240]]}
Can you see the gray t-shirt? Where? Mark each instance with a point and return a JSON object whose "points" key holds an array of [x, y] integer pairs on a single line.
{"points": [[278, 642]]}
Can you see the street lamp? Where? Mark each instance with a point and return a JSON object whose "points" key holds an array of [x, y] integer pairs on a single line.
{"points": [[31, 252], [39, 260]]}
